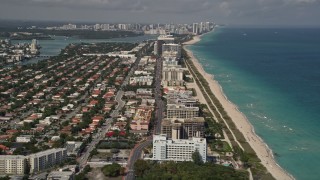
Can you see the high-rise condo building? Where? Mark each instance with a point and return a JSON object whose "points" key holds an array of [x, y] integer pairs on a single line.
{"points": [[46, 159], [181, 111], [13, 164], [178, 149], [17, 164], [171, 50], [183, 128], [195, 28]]}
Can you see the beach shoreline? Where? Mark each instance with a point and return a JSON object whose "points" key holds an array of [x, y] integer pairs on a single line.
{"points": [[258, 145]]}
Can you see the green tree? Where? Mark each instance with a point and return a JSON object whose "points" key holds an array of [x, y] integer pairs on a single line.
{"points": [[94, 152], [196, 157], [5, 178], [111, 170], [27, 170], [82, 175], [65, 123], [140, 166]]}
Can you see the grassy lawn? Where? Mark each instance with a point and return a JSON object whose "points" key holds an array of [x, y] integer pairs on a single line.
{"points": [[103, 155], [226, 147], [97, 174]]}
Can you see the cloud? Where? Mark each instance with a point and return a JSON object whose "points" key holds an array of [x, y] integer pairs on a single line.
{"points": [[160, 6], [115, 5], [223, 11], [302, 1], [225, 7]]}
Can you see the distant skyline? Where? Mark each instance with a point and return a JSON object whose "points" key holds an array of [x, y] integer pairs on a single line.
{"points": [[234, 12]]}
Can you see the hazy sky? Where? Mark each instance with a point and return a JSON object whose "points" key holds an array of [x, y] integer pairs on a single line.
{"points": [[261, 12]]}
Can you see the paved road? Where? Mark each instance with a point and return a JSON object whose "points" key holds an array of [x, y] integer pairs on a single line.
{"points": [[101, 134], [135, 156], [95, 140], [158, 95], [136, 152], [118, 98]]}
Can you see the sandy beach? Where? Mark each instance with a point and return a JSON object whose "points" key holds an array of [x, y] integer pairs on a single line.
{"points": [[263, 152]]}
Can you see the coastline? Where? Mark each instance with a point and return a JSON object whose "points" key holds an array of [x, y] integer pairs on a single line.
{"points": [[261, 149]]}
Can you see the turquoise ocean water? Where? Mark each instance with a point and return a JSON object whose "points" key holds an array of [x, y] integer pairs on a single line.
{"points": [[273, 76]]}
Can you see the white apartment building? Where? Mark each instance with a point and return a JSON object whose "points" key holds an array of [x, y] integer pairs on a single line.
{"points": [[162, 39], [73, 147], [201, 27], [144, 91], [96, 27], [46, 159], [142, 73], [195, 28], [181, 111], [33, 46], [182, 99], [13, 164], [171, 47], [141, 80], [105, 27], [207, 26], [24, 138], [166, 38], [123, 26], [69, 26], [178, 149], [170, 62], [171, 50]]}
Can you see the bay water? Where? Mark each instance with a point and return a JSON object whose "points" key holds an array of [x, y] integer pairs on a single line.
{"points": [[53, 47]]}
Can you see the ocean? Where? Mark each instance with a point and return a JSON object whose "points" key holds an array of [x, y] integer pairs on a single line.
{"points": [[273, 76]]}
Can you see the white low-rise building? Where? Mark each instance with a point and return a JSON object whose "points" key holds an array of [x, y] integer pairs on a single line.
{"points": [[61, 175], [142, 73], [141, 80], [46, 121], [23, 139], [178, 149], [73, 147]]}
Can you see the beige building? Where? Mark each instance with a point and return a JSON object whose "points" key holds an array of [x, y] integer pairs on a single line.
{"points": [[171, 50], [183, 128], [162, 39], [181, 111], [182, 99], [13, 164], [172, 74]]}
